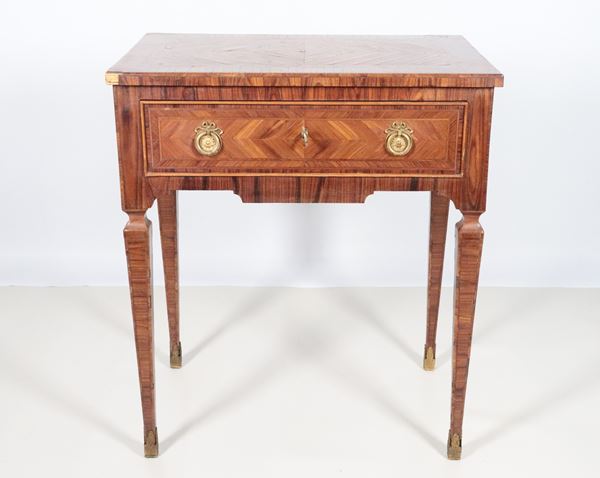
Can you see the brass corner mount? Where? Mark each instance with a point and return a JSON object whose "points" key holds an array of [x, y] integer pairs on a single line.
{"points": [[429, 359], [454, 446], [176, 355], [111, 78], [151, 444]]}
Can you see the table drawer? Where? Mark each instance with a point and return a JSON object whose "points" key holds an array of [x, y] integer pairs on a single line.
{"points": [[299, 138]]}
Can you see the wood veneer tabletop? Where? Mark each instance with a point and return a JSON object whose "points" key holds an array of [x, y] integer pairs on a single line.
{"points": [[164, 59]]}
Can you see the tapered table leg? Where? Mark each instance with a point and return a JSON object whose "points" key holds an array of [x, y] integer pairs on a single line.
{"points": [[438, 226], [469, 242], [138, 246], [167, 215]]}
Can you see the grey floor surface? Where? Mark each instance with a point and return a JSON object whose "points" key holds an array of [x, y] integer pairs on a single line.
{"points": [[281, 382]]}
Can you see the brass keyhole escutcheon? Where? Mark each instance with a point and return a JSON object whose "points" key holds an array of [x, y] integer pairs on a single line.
{"points": [[304, 135], [399, 139], [208, 140]]}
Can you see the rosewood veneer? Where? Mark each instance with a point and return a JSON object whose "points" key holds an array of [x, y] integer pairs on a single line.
{"points": [[303, 119]]}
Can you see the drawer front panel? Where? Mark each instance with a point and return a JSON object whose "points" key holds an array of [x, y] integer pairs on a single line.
{"points": [[299, 139]]}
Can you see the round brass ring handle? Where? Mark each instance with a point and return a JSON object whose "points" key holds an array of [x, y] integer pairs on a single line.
{"points": [[208, 140], [399, 139]]}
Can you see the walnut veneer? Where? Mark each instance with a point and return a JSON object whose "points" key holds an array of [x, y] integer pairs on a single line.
{"points": [[303, 119]]}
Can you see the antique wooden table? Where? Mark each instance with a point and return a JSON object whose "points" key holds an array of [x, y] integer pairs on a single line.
{"points": [[304, 119]]}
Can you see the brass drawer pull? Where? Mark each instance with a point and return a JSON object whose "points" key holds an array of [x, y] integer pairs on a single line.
{"points": [[399, 139], [208, 140]]}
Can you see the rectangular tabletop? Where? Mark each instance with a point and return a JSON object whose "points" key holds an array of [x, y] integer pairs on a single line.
{"points": [[162, 59]]}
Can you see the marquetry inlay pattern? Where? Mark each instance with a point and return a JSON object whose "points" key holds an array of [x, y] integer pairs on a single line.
{"points": [[303, 119], [344, 139]]}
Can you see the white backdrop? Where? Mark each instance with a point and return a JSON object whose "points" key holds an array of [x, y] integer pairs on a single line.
{"points": [[60, 218]]}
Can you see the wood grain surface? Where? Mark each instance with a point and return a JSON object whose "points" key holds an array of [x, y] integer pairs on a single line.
{"points": [[167, 218], [261, 90], [163, 59], [438, 226], [344, 139], [469, 243], [138, 247], [467, 192]]}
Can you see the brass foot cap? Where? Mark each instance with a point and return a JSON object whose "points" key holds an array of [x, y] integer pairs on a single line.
{"points": [[454, 446], [176, 356], [429, 359], [151, 444]]}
